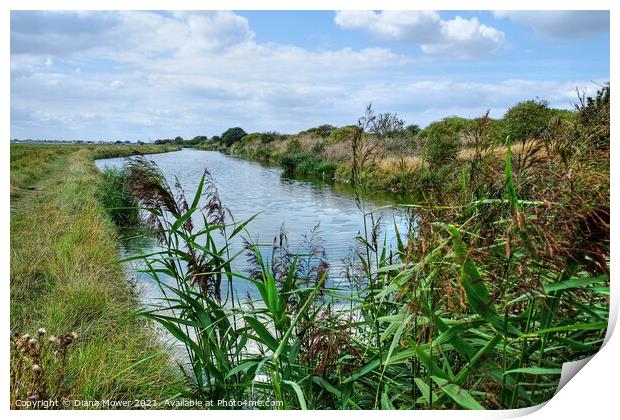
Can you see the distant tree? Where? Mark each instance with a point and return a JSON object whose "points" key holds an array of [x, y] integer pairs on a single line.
{"points": [[216, 138], [388, 125], [322, 130], [178, 140], [412, 130], [527, 120], [232, 135], [343, 133]]}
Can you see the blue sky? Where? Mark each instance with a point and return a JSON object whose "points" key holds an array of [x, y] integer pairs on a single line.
{"points": [[148, 75]]}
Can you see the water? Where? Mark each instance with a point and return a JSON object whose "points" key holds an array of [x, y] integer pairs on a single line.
{"points": [[248, 188]]}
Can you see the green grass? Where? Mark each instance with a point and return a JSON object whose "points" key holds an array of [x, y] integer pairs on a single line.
{"points": [[64, 277], [116, 198]]}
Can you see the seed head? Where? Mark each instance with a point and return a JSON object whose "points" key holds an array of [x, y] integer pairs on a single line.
{"points": [[74, 335], [42, 331], [52, 339], [36, 368]]}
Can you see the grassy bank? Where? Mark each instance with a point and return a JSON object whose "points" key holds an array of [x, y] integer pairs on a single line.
{"points": [[393, 157], [64, 279]]}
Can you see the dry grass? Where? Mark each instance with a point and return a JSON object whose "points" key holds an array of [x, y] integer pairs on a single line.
{"points": [[392, 164]]}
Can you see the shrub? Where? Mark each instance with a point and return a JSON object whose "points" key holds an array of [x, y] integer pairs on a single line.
{"points": [[441, 150], [527, 120], [450, 126], [342, 134]]}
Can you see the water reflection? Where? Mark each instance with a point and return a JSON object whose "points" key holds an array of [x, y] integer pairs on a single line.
{"points": [[297, 206]]}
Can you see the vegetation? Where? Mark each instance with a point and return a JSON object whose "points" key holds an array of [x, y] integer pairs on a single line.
{"points": [[400, 157], [232, 135], [501, 277], [65, 280], [116, 198]]}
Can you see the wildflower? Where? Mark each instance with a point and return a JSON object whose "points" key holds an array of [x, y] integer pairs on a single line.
{"points": [[32, 396], [42, 331], [52, 339], [74, 335], [36, 368], [33, 342]]}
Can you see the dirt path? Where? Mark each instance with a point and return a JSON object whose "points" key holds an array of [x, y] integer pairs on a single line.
{"points": [[20, 199]]}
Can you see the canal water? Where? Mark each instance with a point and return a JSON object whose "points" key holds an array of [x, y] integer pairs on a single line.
{"points": [[304, 209]]}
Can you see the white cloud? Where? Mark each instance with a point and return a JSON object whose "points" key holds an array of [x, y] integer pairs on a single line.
{"points": [[455, 38], [134, 75], [561, 23]]}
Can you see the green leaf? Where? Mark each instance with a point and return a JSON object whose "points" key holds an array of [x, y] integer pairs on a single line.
{"points": [[535, 371], [575, 283], [263, 334], [300, 394], [242, 367], [460, 395]]}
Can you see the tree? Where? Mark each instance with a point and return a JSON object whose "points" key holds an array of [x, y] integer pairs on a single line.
{"points": [[178, 140], [233, 135], [412, 130], [322, 130], [387, 125], [527, 120]]}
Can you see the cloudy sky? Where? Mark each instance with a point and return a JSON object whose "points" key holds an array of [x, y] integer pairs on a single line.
{"points": [[140, 75]]}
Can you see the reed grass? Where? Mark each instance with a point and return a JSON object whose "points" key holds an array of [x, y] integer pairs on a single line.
{"points": [[463, 314]]}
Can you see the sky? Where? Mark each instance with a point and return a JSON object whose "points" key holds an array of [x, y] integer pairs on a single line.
{"points": [[144, 75]]}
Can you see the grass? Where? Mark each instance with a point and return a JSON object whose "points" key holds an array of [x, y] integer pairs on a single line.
{"points": [[64, 278], [116, 198]]}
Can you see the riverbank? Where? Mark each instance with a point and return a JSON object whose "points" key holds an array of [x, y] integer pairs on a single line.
{"points": [[64, 278], [396, 165]]}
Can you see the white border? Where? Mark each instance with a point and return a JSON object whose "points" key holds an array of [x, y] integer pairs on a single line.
{"points": [[591, 394]]}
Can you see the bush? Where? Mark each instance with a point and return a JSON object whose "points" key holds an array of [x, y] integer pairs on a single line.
{"points": [[527, 120], [307, 165], [450, 126], [593, 116], [441, 150], [117, 199], [342, 134]]}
